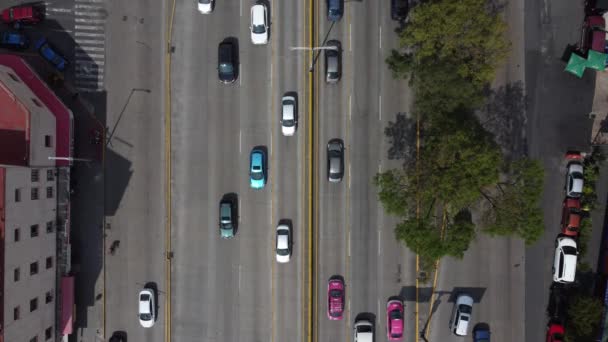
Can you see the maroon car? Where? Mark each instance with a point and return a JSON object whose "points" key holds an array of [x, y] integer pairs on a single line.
{"points": [[26, 14]]}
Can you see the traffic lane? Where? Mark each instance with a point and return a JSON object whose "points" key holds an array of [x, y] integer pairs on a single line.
{"points": [[492, 272]]}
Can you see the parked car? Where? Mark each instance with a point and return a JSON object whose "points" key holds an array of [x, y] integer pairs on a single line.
{"points": [[399, 9], [574, 179], [564, 262], [289, 117], [335, 299], [571, 217], [394, 320], [227, 219], [205, 6], [461, 314], [594, 36], [50, 54], [555, 332], [147, 308], [257, 168], [333, 62], [335, 160], [25, 14], [481, 334], [259, 24], [227, 62], [283, 243], [15, 40], [335, 10]]}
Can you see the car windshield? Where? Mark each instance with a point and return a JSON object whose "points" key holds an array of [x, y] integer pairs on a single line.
{"points": [[282, 251], [288, 123], [333, 75], [395, 314], [226, 68], [569, 250], [335, 293], [206, 2], [464, 309], [364, 328], [145, 316], [259, 29], [334, 11]]}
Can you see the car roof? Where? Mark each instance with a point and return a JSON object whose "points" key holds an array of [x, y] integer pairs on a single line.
{"points": [[465, 299], [288, 109], [569, 267], [575, 167], [256, 156], [257, 13], [282, 241]]}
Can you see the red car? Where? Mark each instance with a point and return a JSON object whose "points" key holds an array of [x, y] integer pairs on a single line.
{"points": [[26, 14], [555, 333], [335, 299], [574, 155], [394, 320], [571, 217]]}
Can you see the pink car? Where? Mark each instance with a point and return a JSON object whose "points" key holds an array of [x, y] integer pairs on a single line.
{"points": [[335, 299], [394, 320]]}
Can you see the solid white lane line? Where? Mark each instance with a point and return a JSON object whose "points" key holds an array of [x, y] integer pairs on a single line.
{"points": [[348, 248], [379, 241], [350, 106], [240, 75], [350, 37], [380, 37], [380, 107], [241, 8], [349, 175]]}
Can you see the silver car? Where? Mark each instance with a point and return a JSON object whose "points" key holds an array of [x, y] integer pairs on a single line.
{"points": [[289, 118], [333, 62], [335, 160], [147, 308]]}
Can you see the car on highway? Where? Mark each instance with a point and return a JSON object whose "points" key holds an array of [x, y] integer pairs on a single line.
{"points": [[24, 14], [394, 320], [564, 262], [257, 168], [574, 179], [147, 309], [289, 117], [118, 336], [226, 62], [481, 334], [259, 24], [283, 243], [205, 6], [14, 40], [335, 298], [335, 10], [399, 9], [364, 331], [50, 54], [555, 332], [335, 160], [227, 219], [461, 314], [333, 61], [571, 216]]}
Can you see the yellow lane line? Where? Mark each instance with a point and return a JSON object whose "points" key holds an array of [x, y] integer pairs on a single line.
{"points": [[304, 150], [273, 160], [168, 188], [436, 271]]}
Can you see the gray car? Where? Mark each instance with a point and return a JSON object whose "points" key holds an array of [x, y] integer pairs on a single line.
{"points": [[333, 62], [335, 160]]}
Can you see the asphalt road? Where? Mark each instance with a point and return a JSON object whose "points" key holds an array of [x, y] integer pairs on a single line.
{"points": [[233, 290]]}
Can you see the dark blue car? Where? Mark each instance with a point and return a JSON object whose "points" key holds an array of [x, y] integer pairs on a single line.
{"points": [[14, 40], [51, 55], [481, 335]]}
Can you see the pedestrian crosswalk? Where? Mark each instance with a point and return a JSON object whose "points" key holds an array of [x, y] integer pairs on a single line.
{"points": [[89, 38]]}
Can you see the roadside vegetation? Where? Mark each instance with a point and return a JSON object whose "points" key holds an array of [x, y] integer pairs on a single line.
{"points": [[461, 180]]}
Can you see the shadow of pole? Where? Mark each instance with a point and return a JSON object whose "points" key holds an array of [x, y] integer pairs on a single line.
{"points": [[133, 90]]}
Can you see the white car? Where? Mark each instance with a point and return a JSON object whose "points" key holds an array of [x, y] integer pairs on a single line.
{"points": [[283, 247], [461, 314], [259, 24], [147, 310], [564, 263], [574, 180], [288, 115], [205, 6]]}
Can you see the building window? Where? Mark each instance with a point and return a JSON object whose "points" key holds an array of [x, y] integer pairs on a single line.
{"points": [[34, 194], [34, 339], [16, 274], [15, 78], [48, 297], [36, 102], [49, 175], [49, 262], [34, 268], [48, 141], [49, 192], [50, 226], [17, 195], [34, 230], [17, 234], [47, 333], [33, 304], [35, 175], [16, 313]]}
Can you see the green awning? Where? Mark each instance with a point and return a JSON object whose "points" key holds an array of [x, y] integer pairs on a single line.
{"points": [[596, 60], [576, 65]]}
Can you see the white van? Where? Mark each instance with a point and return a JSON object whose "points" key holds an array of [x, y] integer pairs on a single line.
{"points": [[461, 314], [364, 331]]}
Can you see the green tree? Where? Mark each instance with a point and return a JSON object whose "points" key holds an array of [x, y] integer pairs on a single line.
{"points": [[585, 314], [394, 192], [515, 204]]}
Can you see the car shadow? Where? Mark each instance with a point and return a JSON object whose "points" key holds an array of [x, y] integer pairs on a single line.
{"points": [[337, 277], [232, 197], [154, 287], [119, 336], [237, 62]]}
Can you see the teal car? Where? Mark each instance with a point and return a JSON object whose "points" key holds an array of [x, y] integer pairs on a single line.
{"points": [[227, 221], [257, 168]]}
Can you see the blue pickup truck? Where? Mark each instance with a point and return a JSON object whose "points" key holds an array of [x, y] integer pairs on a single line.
{"points": [[50, 54], [14, 40]]}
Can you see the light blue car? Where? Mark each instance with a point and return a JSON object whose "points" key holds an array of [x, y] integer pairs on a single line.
{"points": [[257, 168]]}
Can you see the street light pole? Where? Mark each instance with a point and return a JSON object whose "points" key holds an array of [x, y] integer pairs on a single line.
{"points": [[314, 60]]}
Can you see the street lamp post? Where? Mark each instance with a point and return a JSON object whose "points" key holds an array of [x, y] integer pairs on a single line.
{"points": [[314, 60]]}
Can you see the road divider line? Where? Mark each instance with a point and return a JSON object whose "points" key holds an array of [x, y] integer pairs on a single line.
{"points": [[350, 107], [379, 241], [380, 107], [241, 8], [349, 175], [240, 147], [240, 268], [380, 37], [350, 37], [240, 75]]}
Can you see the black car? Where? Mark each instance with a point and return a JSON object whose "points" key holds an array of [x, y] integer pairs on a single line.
{"points": [[119, 336], [399, 9], [335, 160], [227, 62]]}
